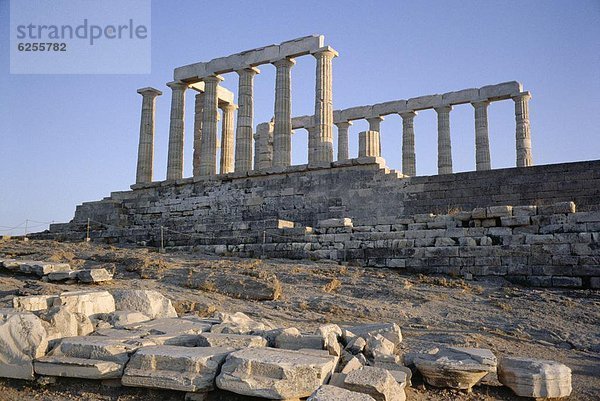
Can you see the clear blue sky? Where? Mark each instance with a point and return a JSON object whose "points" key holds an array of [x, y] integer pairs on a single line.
{"points": [[66, 139]]}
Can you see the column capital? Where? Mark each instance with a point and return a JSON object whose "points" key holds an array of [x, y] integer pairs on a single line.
{"points": [[284, 62], [149, 91], [229, 107], [343, 124], [480, 103], [200, 95], [213, 78], [177, 85], [443, 109], [326, 51], [375, 119], [248, 70], [408, 114], [522, 96]]}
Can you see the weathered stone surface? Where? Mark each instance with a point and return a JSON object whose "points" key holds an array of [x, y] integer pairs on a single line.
{"points": [[391, 331], [94, 347], [89, 303], [376, 382], [22, 339], [534, 377], [175, 368], [94, 275], [455, 367], [274, 373], [236, 341], [334, 223], [238, 323], [356, 345], [173, 326], [378, 345], [45, 268], [149, 302], [120, 319], [34, 303], [237, 286], [332, 393], [77, 367], [61, 322], [292, 339]]}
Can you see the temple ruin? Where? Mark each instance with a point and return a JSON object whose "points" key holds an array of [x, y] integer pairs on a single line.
{"points": [[517, 222]]}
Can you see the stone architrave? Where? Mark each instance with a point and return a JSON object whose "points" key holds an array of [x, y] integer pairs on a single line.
{"points": [[146, 144], [282, 130], [176, 131]]}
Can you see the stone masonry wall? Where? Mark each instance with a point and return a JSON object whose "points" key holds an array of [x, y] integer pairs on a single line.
{"points": [[239, 210]]}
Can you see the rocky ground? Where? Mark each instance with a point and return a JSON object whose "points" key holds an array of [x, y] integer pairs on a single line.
{"points": [[561, 325]]}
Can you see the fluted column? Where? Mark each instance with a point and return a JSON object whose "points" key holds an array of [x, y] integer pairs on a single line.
{"points": [[176, 131], [208, 152], [323, 118], [523, 133], [146, 145], [342, 129], [368, 144], [263, 158], [409, 158], [245, 120], [444, 143], [482, 138], [198, 107], [227, 162], [282, 134], [375, 125]]}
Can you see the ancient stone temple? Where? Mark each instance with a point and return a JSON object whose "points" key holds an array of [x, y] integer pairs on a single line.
{"points": [[533, 224]]}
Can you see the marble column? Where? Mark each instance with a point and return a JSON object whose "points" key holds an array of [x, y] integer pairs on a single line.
{"points": [[146, 145], [323, 118], [245, 120], [368, 144], [227, 162], [342, 129], [523, 133], [210, 112], [282, 134], [263, 157], [176, 131], [375, 125], [198, 106], [409, 158], [482, 138], [444, 143]]}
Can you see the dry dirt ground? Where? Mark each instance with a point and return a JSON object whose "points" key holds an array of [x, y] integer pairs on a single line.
{"points": [[562, 325]]}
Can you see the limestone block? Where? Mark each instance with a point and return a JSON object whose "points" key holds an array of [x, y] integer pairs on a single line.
{"points": [[61, 322], [479, 213], [301, 46], [260, 288], [9, 264], [391, 331], [535, 378], [292, 339], [376, 382], [94, 275], [515, 221], [393, 107], [45, 268], [175, 368], [149, 302], [95, 347], [356, 113], [455, 367], [460, 97], [524, 210], [238, 323], [275, 373], [34, 303], [63, 276], [499, 211], [555, 208], [22, 339], [174, 326], [356, 345], [378, 345], [393, 364], [444, 241], [332, 393], [333, 223], [120, 319], [424, 102], [236, 341], [88, 302], [77, 367], [504, 90], [467, 241], [326, 329]]}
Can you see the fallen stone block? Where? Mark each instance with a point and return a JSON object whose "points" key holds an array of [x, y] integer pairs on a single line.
{"points": [[95, 347], [61, 322], [356, 345], [22, 339], [238, 323], [175, 368], [393, 364], [149, 302], [10, 264], [77, 367], [120, 319], [90, 303], [275, 373], [34, 303], [292, 339], [44, 268], [237, 285], [376, 382], [236, 341], [391, 331], [378, 345], [332, 393], [455, 367], [171, 325], [535, 378], [94, 275], [63, 276]]}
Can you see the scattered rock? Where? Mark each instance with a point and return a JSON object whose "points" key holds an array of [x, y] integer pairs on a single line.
{"points": [[63, 323], [149, 302], [236, 341], [261, 288], [331, 393], [88, 302], [238, 323], [378, 345], [120, 319], [376, 382], [391, 331], [34, 303], [292, 339], [535, 378], [77, 367], [94, 275]]}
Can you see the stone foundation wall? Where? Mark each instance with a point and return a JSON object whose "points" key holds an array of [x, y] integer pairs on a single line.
{"points": [[391, 216]]}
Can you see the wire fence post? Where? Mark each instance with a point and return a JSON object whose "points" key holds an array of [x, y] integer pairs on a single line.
{"points": [[162, 240], [25, 236], [87, 233]]}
